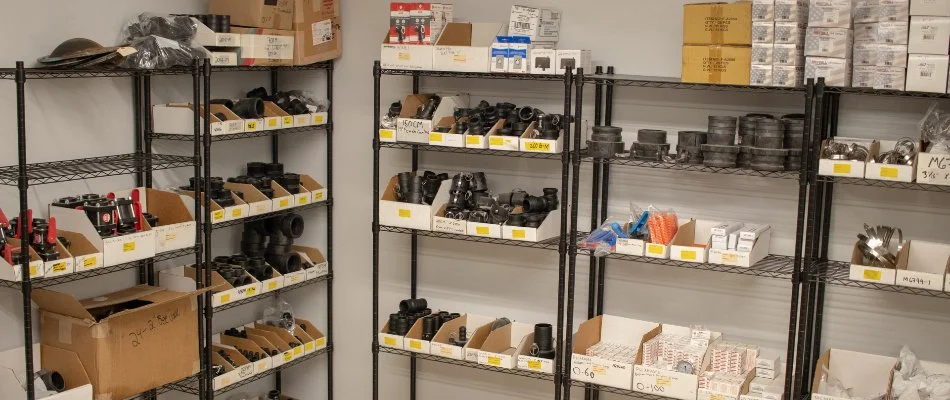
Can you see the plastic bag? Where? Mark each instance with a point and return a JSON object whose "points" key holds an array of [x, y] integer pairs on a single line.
{"points": [[162, 41], [280, 315], [180, 28], [603, 240], [934, 128], [912, 382], [662, 225]]}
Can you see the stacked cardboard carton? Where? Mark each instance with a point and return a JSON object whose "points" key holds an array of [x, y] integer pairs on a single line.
{"points": [[928, 46], [717, 43], [880, 44], [828, 41]]}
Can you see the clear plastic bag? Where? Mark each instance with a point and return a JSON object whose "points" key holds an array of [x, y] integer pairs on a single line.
{"points": [[935, 130], [912, 382], [162, 42], [662, 225], [280, 315], [603, 240], [177, 28]]}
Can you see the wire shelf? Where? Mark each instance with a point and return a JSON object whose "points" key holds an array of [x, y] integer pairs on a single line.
{"points": [[243, 135], [95, 167], [191, 380], [59, 280], [191, 387], [624, 392], [468, 364], [267, 295], [692, 168], [549, 244], [885, 92], [474, 75], [262, 217], [54, 73], [885, 184], [675, 83], [462, 150], [838, 273], [311, 67]]}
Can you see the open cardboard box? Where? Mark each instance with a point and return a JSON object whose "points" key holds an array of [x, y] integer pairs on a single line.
{"points": [[550, 228], [503, 345], [672, 384], [388, 340], [497, 141], [866, 273], [405, 56], [933, 169], [231, 375], [611, 329], [475, 325], [688, 239], [219, 214], [183, 279], [452, 138], [279, 336], [14, 272], [531, 363], [276, 118], [464, 47], [635, 247], [204, 36], [85, 255], [848, 168], [248, 344], [866, 374], [448, 225], [115, 250], [13, 373], [179, 119], [410, 129], [318, 193], [408, 215], [313, 256], [887, 172], [927, 266], [482, 141], [528, 144], [743, 258], [144, 321], [318, 340], [176, 225], [270, 341], [254, 202]]}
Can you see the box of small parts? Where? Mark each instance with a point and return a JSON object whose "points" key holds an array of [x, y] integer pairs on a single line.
{"points": [[743, 247], [504, 344], [64, 362], [877, 272], [865, 374], [393, 212], [649, 378], [448, 341], [846, 157], [607, 347], [899, 164]]}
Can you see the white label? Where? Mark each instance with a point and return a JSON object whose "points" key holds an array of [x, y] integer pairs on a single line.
{"points": [[826, 45], [933, 169], [322, 32], [928, 33], [927, 71]]}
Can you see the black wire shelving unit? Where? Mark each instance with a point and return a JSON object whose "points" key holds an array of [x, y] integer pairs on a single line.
{"points": [[467, 364], [791, 268], [203, 149], [560, 244]]}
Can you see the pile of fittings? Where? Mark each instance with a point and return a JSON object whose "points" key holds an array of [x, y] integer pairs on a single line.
{"points": [[41, 237], [293, 102], [418, 189], [470, 200], [651, 226], [877, 246], [260, 175], [412, 310], [757, 141], [216, 192], [271, 241], [424, 111], [47, 383], [109, 214], [515, 121]]}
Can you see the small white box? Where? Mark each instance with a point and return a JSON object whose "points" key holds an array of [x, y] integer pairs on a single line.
{"points": [[864, 55], [726, 228], [544, 61], [763, 32], [929, 35], [762, 54], [836, 71], [892, 55], [894, 10], [891, 32], [753, 231], [937, 8], [441, 15], [789, 32], [763, 10], [863, 76], [633, 247], [519, 48], [768, 362], [539, 24], [573, 59], [829, 13], [866, 33], [788, 76], [763, 373], [890, 78], [927, 73], [695, 232], [760, 75], [788, 55], [499, 55], [791, 10], [866, 11], [828, 42]]}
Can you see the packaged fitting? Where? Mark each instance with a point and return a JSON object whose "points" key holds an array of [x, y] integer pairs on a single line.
{"points": [[892, 32], [763, 32], [894, 10], [499, 55], [865, 33], [829, 13], [862, 76], [866, 11], [788, 55], [892, 55], [791, 11], [539, 24], [789, 32], [763, 10], [828, 42], [864, 55], [753, 231], [543, 61], [727, 228], [927, 73], [769, 374], [929, 35], [788, 75], [889, 78], [939, 8], [518, 48], [760, 75], [762, 54], [573, 59]]}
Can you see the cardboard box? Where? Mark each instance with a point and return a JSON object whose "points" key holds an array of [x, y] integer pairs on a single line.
{"points": [[891, 78], [717, 64], [413, 339], [529, 144], [894, 10], [927, 73], [789, 32], [940, 8], [497, 141], [13, 373], [864, 55], [863, 76], [787, 76], [280, 336], [318, 339], [387, 340], [717, 23], [866, 273], [543, 61], [550, 228], [483, 230], [448, 225], [892, 55], [242, 369], [483, 141], [269, 339], [611, 329], [927, 265], [178, 119], [315, 264], [632, 247], [272, 14], [420, 23], [828, 42], [933, 169], [503, 345], [763, 10], [836, 71], [886, 172], [762, 54], [743, 258], [475, 326], [573, 59], [111, 348], [760, 75], [409, 129], [316, 31], [929, 35], [499, 54], [829, 13], [407, 215], [671, 384], [115, 250], [763, 32], [866, 374], [691, 242], [465, 47], [206, 37], [265, 47], [539, 24], [866, 11]]}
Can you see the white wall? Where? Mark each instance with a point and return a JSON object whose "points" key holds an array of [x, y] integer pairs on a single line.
{"points": [[638, 37]]}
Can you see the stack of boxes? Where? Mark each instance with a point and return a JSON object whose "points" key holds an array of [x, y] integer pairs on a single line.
{"points": [[880, 44], [828, 42], [418, 23], [532, 32], [788, 54], [928, 46], [717, 43], [666, 351]]}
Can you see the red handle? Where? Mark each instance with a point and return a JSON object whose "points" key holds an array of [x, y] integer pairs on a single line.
{"points": [[29, 223], [51, 234], [137, 209], [4, 222]]}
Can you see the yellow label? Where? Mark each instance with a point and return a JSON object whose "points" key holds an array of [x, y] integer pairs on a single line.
{"points": [[386, 134], [717, 397], [496, 361], [225, 381], [518, 233], [251, 124], [318, 119], [32, 270], [225, 298], [481, 230], [538, 146], [284, 202], [251, 291], [272, 122], [217, 215], [321, 342], [237, 213], [88, 262], [888, 172], [128, 246], [598, 369], [303, 200], [404, 56], [318, 196], [59, 267], [309, 346], [730, 258], [872, 275], [473, 140], [288, 355], [445, 350], [435, 137], [288, 120], [534, 364], [459, 58], [298, 351], [169, 236], [689, 255], [405, 213], [496, 141], [389, 341], [415, 344], [655, 249], [272, 285], [663, 381], [842, 168]]}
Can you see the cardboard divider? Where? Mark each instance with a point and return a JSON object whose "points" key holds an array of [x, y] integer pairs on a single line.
{"points": [[259, 338], [294, 351], [686, 242], [318, 193], [610, 329], [465, 47], [413, 339], [116, 250], [178, 119], [502, 346], [482, 141], [531, 363], [866, 374], [410, 129], [277, 342], [242, 371], [452, 138], [183, 279], [866, 273], [86, 256], [475, 341], [276, 118], [408, 215], [12, 372], [261, 365], [319, 341], [219, 214], [276, 281], [321, 266], [927, 266], [255, 201], [848, 168], [440, 345]]}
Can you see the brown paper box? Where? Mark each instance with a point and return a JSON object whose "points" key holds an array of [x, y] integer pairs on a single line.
{"points": [[317, 31], [729, 65], [274, 14], [718, 23], [112, 349]]}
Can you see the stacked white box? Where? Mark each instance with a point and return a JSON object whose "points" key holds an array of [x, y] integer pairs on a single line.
{"points": [[829, 38], [927, 46], [780, 62]]}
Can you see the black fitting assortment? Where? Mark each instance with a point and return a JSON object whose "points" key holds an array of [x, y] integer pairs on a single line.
{"points": [[272, 240], [470, 200], [235, 275], [110, 216], [261, 174], [218, 193], [650, 146], [292, 102], [412, 310], [427, 110], [416, 189], [483, 118]]}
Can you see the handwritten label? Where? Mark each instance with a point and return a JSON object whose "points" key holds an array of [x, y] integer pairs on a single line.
{"points": [[415, 344], [237, 213], [473, 140], [888, 172], [284, 202], [170, 236], [534, 365], [128, 247], [405, 213], [217, 215], [540, 147], [872, 275], [251, 291], [496, 141], [689, 255], [89, 262], [518, 233], [251, 125], [655, 249], [389, 341], [481, 230], [386, 134], [59, 267], [138, 335], [404, 56], [842, 168], [435, 137], [225, 40], [288, 121], [493, 360]]}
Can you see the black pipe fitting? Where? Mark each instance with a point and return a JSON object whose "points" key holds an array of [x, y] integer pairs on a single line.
{"points": [[249, 108], [413, 306]]}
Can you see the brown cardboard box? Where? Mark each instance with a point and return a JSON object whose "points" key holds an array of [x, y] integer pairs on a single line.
{"points": [[718, 23], [273, 14], [265, 47], [729, 65], [317, 29], [127, 352]]}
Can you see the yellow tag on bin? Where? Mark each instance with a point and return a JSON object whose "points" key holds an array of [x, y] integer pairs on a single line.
{"points": [[435, 137], [251, 125], [689, 255], [495, 361], [59, 267], [538, 147], [496, 141], [288, 120], [655, 249], [415, 344], [88, 262], [284, 202], [842, 168], [481, 230], [888, 172], [236, 213], [128, 246], [405, 213], [534, 364], [217, 215], [389, 341], [518, 233], [472, 140], [272, 122], [272, 285], [872, 275], [385, 134]]}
